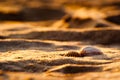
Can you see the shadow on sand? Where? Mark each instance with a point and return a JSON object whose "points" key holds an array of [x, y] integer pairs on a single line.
{"points": [[104, 37], [45, 65]]}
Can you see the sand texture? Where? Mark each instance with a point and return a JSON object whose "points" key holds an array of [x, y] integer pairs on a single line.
{"points": [[42, 39]]}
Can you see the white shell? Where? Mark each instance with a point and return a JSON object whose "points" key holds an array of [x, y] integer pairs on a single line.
{"points": [[89, 51]]}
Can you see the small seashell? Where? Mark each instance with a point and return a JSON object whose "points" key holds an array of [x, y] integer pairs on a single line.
{"points": [[90, 51], [72, 54]]}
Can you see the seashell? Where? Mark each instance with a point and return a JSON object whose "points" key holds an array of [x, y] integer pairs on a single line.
{"points": [[90, 51], [72, 54]]}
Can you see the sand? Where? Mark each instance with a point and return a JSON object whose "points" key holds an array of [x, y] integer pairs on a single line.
{"points": [[34, 48]]}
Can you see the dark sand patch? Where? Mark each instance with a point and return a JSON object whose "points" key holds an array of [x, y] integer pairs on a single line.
{"points": [[44, 65], [11, 45], [114, 19], [101, 25], [71, 69], [3, 37], [22, 45], [105, 37], [33, 14]]}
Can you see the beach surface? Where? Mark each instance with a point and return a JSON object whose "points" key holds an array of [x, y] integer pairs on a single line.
{"points": [[36, 37]]}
